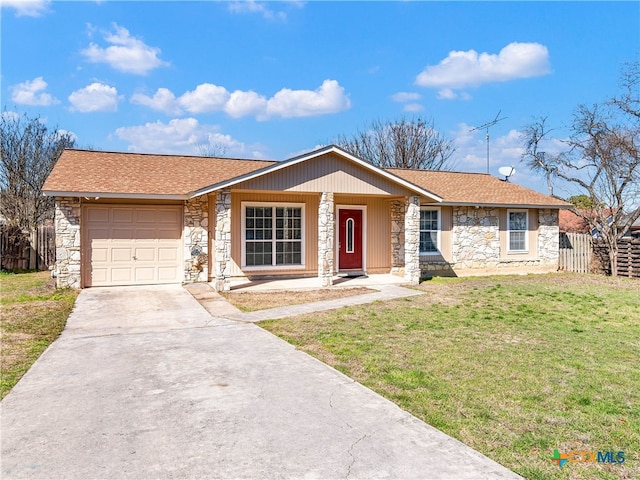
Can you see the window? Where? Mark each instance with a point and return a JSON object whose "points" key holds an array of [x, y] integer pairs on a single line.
{"points": [[272, 235], [429, 231], [517, 226]]}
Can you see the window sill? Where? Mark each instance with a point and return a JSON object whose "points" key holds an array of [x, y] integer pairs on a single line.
{"points": [[261, 268]]}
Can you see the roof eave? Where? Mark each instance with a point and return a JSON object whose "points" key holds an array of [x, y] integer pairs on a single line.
{"points": [[503, 205], [96, 195]]}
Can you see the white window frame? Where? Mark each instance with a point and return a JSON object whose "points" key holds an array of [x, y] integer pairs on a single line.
{"points": [[273, 266], [526, 230], [438, 232]]}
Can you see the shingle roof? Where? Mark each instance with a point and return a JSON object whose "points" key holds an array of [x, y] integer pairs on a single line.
{"points": [[85, 171], [94, 173], [476, 189]]}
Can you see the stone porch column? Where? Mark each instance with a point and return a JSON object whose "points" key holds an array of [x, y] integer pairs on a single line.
{"points": [[67, 222], [412, 239], [222, 258], [397, 237], [326, 233]]}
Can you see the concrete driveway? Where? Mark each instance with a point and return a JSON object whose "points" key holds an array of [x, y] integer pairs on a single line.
{"points": [[145, 384]]}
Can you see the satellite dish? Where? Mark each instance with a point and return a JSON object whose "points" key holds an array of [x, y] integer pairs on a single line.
{"points": [[507, 172]]}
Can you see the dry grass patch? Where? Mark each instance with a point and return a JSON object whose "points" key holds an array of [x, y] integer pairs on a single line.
{"points": [[253, 301], [34, 313], [513, 366]]}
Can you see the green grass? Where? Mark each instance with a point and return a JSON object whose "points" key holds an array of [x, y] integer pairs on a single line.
{"points": [[34, 313], [514, 367]]}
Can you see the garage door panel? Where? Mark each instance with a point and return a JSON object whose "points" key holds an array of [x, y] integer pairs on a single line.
{"points": [[166, 216], [133, 245], [97, 214], [167, 274], [122, 215], [121, 275], [121, 255], [99, 254], [167, 254], [145, 254], [145, 274]]}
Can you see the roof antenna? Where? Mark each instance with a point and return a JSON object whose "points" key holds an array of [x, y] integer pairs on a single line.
{"points": [[487, 125]]}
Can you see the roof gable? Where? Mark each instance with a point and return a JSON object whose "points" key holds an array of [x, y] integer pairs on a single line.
{"points": [[331, 151]]}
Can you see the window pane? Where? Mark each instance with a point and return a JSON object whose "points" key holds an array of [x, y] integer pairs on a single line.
{"points": [[516, 240], [428, 242], [517, 220]]}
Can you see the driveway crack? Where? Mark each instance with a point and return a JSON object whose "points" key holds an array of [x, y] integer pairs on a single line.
{"points": [[350, 452]]}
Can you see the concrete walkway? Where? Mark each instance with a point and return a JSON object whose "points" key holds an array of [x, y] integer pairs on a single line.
{"points": [[215, 304], [145, 384]]}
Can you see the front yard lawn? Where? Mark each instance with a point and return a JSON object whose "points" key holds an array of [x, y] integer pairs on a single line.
{"points": [[34, 313], [513, 366]]}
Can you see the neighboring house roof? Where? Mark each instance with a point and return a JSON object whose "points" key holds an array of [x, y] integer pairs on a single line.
{"points": [[480, 189], [108, 174], [569, 222]]}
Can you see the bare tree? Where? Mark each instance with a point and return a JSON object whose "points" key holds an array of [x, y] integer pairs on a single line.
{"points": [[213, 150], [601, 159], [29, 150], [401, 144]]}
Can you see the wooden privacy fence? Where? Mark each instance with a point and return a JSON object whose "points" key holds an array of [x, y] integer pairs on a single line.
{"points": [[628, 257], [27, 250], [575, 252]]}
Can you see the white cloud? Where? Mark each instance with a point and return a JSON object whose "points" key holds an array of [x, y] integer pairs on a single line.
{"points": [[207, 98], [27, 8], [242, 104], [329, 98], [463, 69], [32, 93], [96, 97], [181, 136], [126, 53], [413, 107], [251, 6], [402, 97], [163, 101]]}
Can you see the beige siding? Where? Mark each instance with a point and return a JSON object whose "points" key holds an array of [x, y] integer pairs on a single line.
{"points": [[330, 173], [378, 233], [532, 236], [310, 230]]}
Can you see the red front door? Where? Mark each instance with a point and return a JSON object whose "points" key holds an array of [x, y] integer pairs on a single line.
{"points": [[350, 239]]}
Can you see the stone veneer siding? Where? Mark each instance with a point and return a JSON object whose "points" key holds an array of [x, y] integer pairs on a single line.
{"points": [[222, 250], [326, 232], [397, 236], [476, 244], [412, 271], [67, 224], [476, 237], [196, 239]]}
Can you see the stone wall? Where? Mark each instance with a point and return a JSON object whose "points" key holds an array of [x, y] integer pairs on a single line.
{"points": [[397, 236], [67, 224], [475, 237], [326, 233], [548, 236], [222, 250], [412, 271], [476, 245], [196, 239]]}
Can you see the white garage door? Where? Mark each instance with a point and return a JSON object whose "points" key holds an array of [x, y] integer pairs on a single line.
{"points": [[132, 245]]}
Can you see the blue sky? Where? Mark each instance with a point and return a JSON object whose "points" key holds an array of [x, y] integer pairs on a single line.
{"points": [[274, 79]]}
